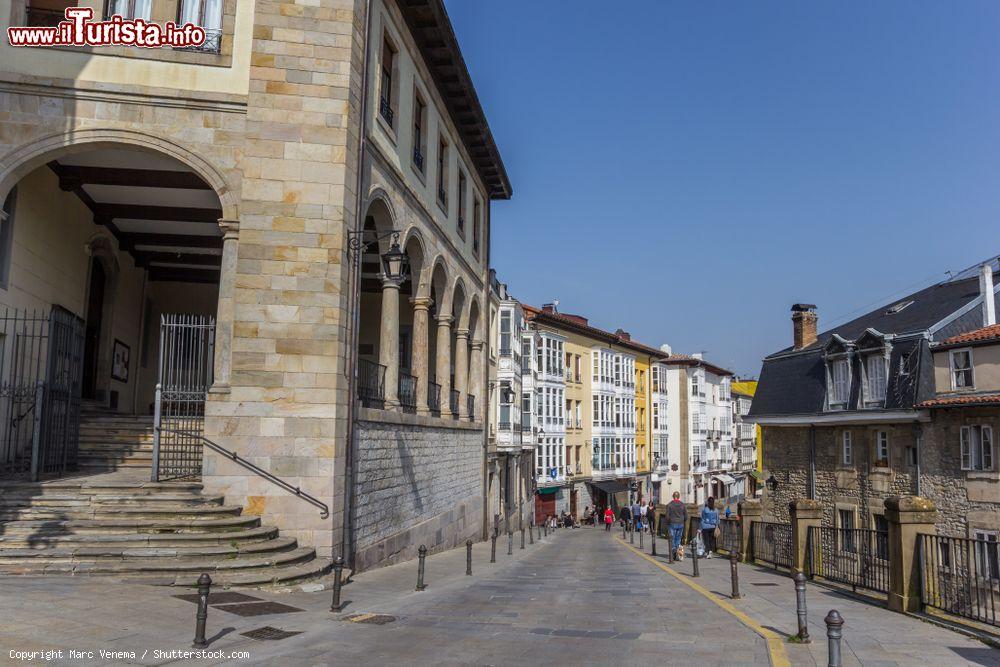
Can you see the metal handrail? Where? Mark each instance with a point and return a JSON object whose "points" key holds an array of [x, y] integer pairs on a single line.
{"points": [[260, 472]]}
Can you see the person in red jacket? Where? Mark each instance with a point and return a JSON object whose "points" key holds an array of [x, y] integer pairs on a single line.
{"points": [[609, 518]]}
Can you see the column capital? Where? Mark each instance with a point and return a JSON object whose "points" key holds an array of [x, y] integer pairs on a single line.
{"points": [[421, 302], [478, 344], [444, 320], [461, 333], [230, 229], [391, 283]]}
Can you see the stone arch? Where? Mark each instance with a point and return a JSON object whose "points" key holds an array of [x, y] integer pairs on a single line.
{"points": [[460, 304], [413, 244], [474, 321], [438, 286], [27, 157], [379, 206]]}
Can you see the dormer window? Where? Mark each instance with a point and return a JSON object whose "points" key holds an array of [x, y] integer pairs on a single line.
{"points": [[875, 371], [961, 370], [840, 383]]}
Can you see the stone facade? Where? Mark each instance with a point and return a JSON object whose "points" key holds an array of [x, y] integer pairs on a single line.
{"points": [[859, 487], [416, 483]]}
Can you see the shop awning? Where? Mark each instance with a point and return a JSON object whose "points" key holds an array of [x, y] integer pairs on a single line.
{"points": [[612, 486], [548, 489], [754, 473], [725, 479]]}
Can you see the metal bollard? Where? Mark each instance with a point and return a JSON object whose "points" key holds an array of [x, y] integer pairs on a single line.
{"points": [[640, 540], [624, 530], [338, 571], [522, 537], [204, 587], [800, 606], [421, 556], [694, 557], [652, 539], [834, 632], [734, 574], [468, 558], [531, 534], [631, 533], [493, 547], [510, 543]]}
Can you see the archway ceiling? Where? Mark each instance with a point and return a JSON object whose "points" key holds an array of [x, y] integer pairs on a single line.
{"points": [[161, 212]]}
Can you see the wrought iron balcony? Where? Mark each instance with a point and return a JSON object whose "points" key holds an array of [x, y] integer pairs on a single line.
{"points": [[470, 407], [418, 158], [212, 43], [371, 384], [434, 398], [442, 196], [407, 392], [453, 403], [385, 110]]}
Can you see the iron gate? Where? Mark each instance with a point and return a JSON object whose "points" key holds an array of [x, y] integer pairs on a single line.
{"points": [[41, 370], [187, 354]]}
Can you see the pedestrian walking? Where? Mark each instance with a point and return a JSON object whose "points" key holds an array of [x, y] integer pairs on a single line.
{"points": [[709, 526], [609, 518], [676, 516], [651, 516], [643, 517], [637, 514], [625, 516]]}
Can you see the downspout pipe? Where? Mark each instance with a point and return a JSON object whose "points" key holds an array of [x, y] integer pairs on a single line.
{"points": [[347, 546], [812, 463]]}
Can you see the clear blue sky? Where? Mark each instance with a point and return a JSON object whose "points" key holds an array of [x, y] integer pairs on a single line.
{"points": [[688, 170]]}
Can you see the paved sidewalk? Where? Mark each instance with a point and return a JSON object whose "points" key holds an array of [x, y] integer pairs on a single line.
{"points": [[578, 597], [873, 636]]}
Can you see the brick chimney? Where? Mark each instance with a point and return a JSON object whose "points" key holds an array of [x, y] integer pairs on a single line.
{"points": [[623, 335], [803, 325], [986, 290]]}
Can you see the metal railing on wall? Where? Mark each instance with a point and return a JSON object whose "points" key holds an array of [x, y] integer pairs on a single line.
{"points": [[371, 384], [960, 576], [857, 557], [771, 542], [434, 398], [407, 392]]}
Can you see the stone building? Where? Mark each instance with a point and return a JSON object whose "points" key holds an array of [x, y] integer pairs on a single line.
{"points": [[255, 185], [846, 414]]}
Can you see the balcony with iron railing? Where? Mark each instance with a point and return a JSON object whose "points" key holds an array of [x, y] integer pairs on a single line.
{"points": [[371, 384], [453, 403], [418, 159], [385, 110], [434, 398], [407, 392], [470, 407]]}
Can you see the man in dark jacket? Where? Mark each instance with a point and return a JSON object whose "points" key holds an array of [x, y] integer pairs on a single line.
{"points": [[676, 517], [626, 515]]}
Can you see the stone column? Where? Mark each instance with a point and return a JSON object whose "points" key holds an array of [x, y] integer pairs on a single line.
{"points": [[461, 368], [804, 513], [476, 380], [750, 511], [908, 516], [443, 362], [388, 346], [421, 370], [225, 310]]}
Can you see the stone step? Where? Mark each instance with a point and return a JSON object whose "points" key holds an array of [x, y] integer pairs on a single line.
{"points": [[122, 540], [104, 500], [257, 578], [148, 565], [120, 512], [100, 551], [101, 455], [43, 527], [93, 486]]}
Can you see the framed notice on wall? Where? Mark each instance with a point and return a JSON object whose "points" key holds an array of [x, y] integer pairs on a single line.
{"points": [[120, 361]]}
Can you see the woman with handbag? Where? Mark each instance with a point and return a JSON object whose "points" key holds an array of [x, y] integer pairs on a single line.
{"points": [[709, 526]]}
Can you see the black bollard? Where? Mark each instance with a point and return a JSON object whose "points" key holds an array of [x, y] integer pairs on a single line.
{"points": [[640, 540], [531, 533], [338, 571], [834, 632], [652, 539], [800, 606], [631, 533], [522, 537], [468, 558], [734, 574], [694, 557], [201, 618], [493, 547], [510, 543], [421, 556]]}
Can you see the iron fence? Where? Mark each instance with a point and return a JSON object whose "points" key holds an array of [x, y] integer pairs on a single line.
{"points": [[434, 398], [960, 576], [41, 372], [470, 406], [407, 392], [730, 536], [858, 557], [453, 399], [772, 543], [186, 366], [371, 384]]}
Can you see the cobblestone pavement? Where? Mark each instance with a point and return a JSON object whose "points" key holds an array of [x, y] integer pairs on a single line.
{"points": [[577, 597], [872, 636]]}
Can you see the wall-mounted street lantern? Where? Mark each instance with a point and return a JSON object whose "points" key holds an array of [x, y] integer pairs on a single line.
{"points": [[772, 483], [395, 263]]}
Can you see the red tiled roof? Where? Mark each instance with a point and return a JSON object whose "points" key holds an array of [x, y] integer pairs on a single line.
{"points": [[984, 334], [964, 400]]}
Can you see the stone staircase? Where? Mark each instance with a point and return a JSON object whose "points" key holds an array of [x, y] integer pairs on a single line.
{"points": [[111, 520]]}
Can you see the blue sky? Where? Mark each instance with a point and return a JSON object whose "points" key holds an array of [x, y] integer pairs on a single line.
{"points": [[688, 170]]}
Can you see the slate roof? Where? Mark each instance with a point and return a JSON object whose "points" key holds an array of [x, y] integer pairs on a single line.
{"points": [[793, 382]]}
